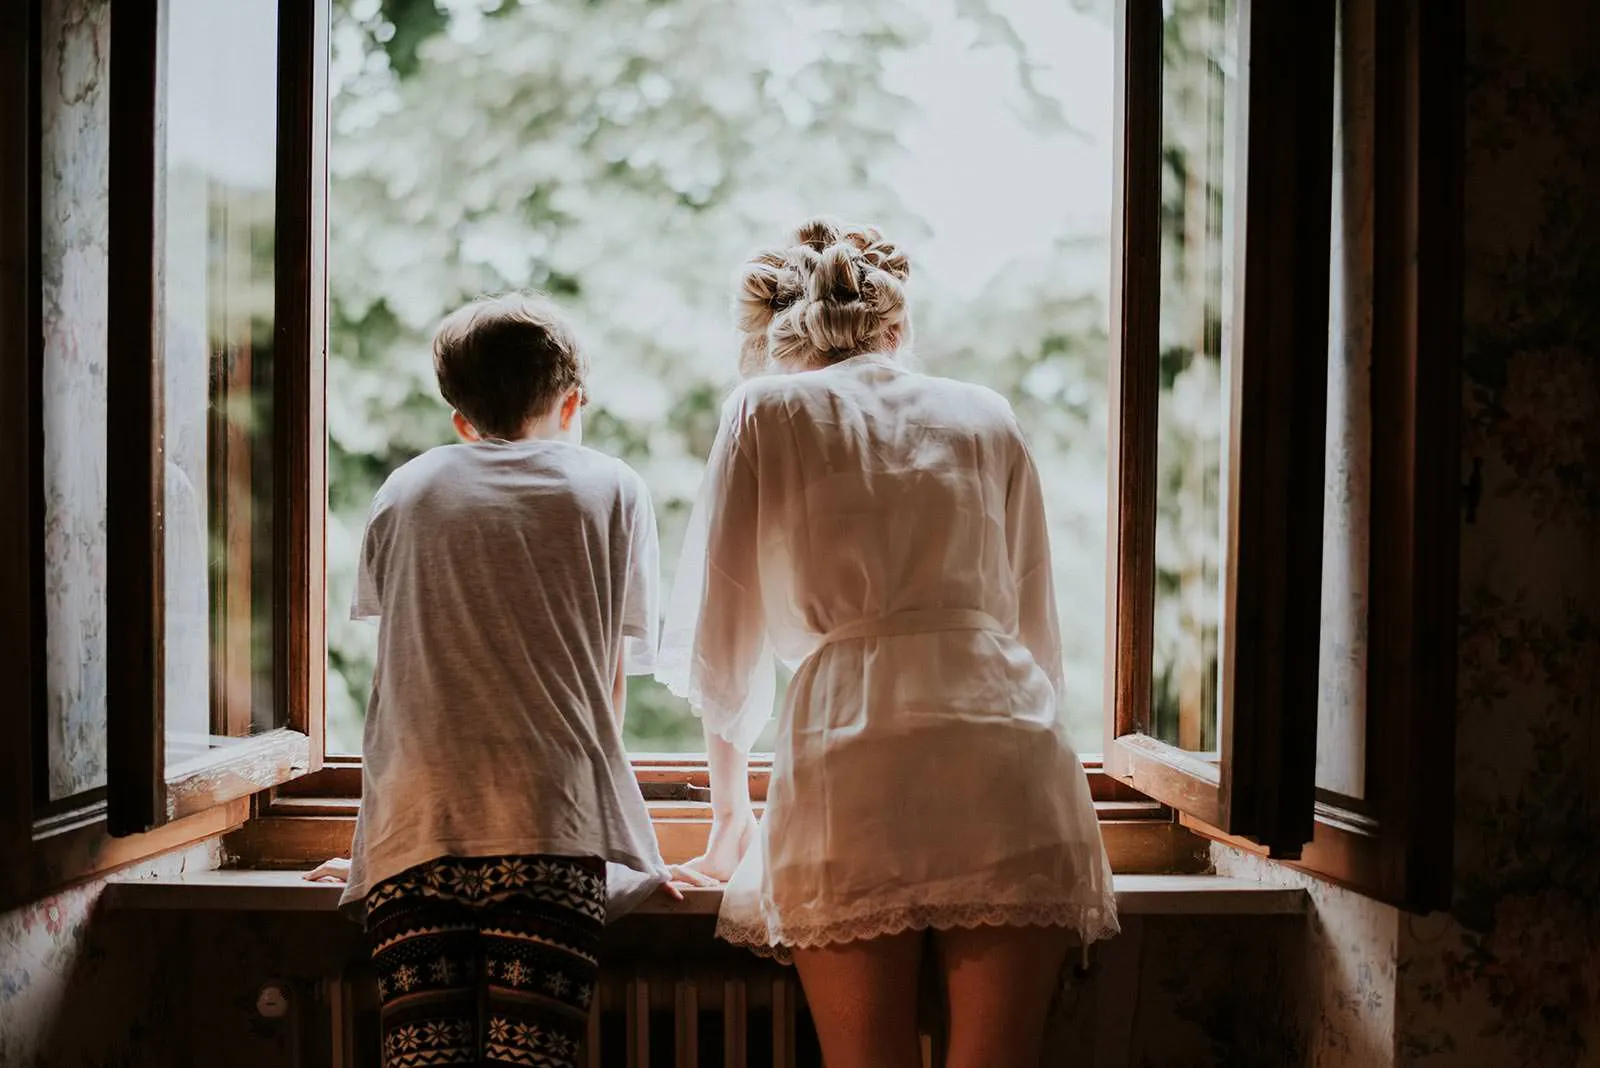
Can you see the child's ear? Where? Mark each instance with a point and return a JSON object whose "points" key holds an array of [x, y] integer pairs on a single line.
{"points": [[569, 408], [464, 430]]}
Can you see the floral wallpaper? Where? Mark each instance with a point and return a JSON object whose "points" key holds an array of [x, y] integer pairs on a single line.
{"points": [[75, 145], [80, 988], [1513, 977], [1343, 1011]]}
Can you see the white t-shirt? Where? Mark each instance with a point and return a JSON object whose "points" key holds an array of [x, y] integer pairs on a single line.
{"points": [[507, 579]]}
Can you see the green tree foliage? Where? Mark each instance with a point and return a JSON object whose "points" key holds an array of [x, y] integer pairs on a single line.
{"points": [[624, 156], [1198, 78]]}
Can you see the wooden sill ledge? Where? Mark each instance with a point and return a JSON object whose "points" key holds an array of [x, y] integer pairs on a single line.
{"points": [[237, 890], [1141, 838]]}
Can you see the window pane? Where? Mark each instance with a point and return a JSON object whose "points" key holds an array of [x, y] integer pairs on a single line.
{"points": [[628, 162], [1198, 85], [220, 88]]}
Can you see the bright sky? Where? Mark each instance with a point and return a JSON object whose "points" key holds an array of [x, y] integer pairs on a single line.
{"points": [[970, 145]]}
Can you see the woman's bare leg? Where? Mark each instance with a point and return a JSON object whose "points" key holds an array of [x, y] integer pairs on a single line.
{"points": [[1001, 982], [863, 999]]}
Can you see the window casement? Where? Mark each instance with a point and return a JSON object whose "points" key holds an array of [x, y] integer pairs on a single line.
{"points": [[1232, 227], [21, 637], [1244, 287], [67, 761], [1385, 776], [216, 404], [1294, 726]]}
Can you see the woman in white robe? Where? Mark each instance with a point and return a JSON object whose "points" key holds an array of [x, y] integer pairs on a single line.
{"points": [[882, 533]]}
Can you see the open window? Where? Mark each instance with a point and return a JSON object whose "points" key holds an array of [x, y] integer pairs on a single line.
{"points": [[1218, 400], [83, 168], [628, 170], [1244, 133], [1311, 716], [215, 381]]}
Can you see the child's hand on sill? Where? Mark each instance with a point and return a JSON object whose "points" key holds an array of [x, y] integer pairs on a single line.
{"points": [[336, 870]]}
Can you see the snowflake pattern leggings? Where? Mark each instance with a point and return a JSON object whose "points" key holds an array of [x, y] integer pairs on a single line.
{"points": [[487, 960]]}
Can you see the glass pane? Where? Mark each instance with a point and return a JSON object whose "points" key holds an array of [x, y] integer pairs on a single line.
{"points": [[1197, 119], [74, 142], [628, 165], [220, 170]]}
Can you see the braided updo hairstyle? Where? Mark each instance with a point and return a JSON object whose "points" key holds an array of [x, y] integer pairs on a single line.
{"points": [[836, 291]]}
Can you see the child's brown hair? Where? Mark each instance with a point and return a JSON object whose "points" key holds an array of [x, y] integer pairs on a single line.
{"points": [[503, 361]]}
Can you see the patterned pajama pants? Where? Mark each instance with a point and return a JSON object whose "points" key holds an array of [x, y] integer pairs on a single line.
{"points": [[487, 960]]}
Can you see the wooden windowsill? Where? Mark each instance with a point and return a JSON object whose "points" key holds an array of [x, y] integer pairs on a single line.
{"points": [[234, 890], [1141, 838], [336, 786]]}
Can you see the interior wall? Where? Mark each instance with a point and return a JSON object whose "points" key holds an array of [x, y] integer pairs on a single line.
{"points": [[83, 987], [1512, 976]]}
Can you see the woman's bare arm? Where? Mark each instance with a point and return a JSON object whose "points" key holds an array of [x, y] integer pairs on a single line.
{"points": [[730, 776], [733, 820]]}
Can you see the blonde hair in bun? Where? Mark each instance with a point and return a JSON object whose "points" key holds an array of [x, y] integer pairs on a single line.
{"points": [[833, 292]]}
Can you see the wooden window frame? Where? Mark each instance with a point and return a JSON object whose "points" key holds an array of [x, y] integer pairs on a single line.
{"points": [[1263, 785], [334, 787], [21, 470], [1396, 843], [1260, 786], [139, 795], [330, 792], [310, 819], [44, 844], [73, 839]]}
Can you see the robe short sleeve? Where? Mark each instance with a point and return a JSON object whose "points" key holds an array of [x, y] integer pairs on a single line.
{"points": [[1028, 547], [715, 649], [641, 614]]}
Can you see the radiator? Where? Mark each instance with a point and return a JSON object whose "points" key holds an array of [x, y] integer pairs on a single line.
{"points": [[656, 1017], [690, 1020]]}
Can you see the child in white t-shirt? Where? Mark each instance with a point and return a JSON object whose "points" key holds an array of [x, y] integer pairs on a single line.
{"points": [[514, 580]]}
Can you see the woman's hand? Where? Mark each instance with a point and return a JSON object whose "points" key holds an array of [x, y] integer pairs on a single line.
{"points": [[731, 835], [733, 820], [336, 870]]}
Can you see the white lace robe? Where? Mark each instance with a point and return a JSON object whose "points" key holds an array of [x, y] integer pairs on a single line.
{"points": [[882, 532]]}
